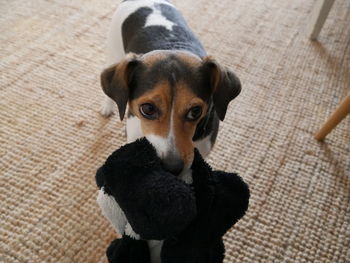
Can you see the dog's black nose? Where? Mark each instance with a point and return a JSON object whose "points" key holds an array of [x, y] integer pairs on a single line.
{"points": [[173, 165]]}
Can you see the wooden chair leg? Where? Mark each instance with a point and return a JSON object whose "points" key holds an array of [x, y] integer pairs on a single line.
{"points": [[318, 16], [336, 117]]}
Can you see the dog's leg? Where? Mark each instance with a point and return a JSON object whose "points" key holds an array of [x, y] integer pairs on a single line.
{"points": [[107, 107], [115, 53]]}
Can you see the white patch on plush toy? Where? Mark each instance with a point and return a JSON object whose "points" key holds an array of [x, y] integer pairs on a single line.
{"points": [[112, 211], [130, 232]]}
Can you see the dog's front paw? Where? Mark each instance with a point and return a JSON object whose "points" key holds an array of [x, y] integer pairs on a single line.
{"points": [[107, 108]]}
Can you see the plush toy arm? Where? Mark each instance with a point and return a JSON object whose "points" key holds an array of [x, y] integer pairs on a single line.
{"points": [[194, 244], [229, 196], [156, 203], [230, 201], [222, 199]]}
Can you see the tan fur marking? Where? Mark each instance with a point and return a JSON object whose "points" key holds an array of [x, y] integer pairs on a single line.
{"points": [[154, 58], [184, 130], [160, 97], [186, 58], [190, 60]]}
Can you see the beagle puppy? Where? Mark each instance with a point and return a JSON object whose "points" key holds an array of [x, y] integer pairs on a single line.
{"points": [[176, 93]]}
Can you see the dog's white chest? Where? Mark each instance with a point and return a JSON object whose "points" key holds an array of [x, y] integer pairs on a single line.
{"points": [[155, 247]]}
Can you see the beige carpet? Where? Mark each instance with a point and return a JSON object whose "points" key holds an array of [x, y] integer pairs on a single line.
{"points": [[53, 139]]}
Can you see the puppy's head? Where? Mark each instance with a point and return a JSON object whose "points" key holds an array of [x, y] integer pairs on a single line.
{"points": [[170, 92]]}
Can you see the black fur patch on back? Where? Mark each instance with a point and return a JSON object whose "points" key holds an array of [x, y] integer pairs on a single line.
{"points": [[140, 39]]}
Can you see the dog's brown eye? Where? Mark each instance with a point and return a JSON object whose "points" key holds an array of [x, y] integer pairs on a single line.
{"points": [[149, 111], [194, 113]]}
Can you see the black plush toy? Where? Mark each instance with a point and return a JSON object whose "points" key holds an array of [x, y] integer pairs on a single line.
{"points": [[162, 219]]}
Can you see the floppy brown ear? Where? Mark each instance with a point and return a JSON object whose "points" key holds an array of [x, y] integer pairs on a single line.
{"points": [[115, 82], [225, 86]]}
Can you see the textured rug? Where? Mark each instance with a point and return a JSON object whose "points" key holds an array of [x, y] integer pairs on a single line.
{"points": [[53, 138]]}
